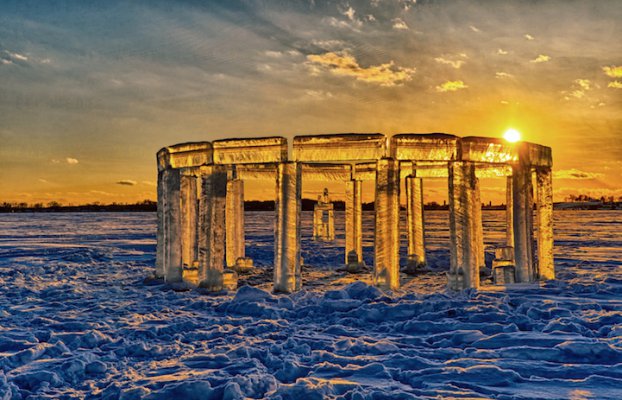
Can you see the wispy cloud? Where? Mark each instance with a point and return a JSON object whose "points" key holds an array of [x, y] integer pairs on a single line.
{"points": [[501, 52], [399, 23], [615, 85], [8, 57], [344, 64], [451, 86], [541, 59], [585, 84], [528, 37], [318, 94], [575, 174], [149, 183], [613, 71], [126, 182], [449, 61], [503, 75], [71, 161], [474, 28]]}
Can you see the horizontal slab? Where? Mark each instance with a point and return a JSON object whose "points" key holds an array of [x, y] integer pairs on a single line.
{"points": [[250, 151], [499, 151], [364, 172], [257, 171], [327, 172], [183, 155], [424, 147], [341, 147]]}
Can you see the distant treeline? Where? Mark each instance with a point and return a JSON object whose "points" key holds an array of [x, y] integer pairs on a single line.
{"points": [[256, 205]]}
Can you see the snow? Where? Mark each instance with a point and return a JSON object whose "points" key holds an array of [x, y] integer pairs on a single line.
{"points": [[77, 320]]}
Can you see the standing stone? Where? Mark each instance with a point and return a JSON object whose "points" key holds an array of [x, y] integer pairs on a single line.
{"points": [[479, 227], [544, 181], [235, 222], [172, 265], [287, 274], [189, 218], [212, 208], [415, 222], [387, 235], [354, 225], [509, 212], [463, 188], [522, 199], [161, 228]]}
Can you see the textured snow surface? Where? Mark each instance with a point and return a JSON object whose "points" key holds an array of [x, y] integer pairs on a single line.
{"points": [[76, 320]]}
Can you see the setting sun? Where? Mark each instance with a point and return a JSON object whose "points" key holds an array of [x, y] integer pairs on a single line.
{"points": [[512, 135]]}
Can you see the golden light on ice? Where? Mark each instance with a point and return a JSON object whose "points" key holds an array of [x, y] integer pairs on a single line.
{"points": [[512, 135]]}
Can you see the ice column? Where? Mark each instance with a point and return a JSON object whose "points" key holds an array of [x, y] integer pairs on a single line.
{"points": [[235, 221], [522, 199], [509, 219], [544, 185], [212, 205], [479, 227], [354, 225], [161, 228], [169, 192], [189, 216], [387, 235], [414, 209], [463, 197], [287, 276]]}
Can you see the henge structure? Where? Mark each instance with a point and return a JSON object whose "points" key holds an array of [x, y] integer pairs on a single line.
{"points": [[200, 233]]}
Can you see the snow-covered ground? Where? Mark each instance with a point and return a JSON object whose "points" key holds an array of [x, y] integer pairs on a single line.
{"points": [[76, 320]]}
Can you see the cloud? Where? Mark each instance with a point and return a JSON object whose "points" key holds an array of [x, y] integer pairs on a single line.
{"points": [[503, 75], [529, 37], [71, 161], [149, 183], [613, 71], [451, 86], [501, 52], [584, 83], [126, 182], [318, 94], [615, 85], [328, 44], [349, 13], [575, 174], [474, 28], [454, 63], [399, 23], [9, 57], [344, 64], [541, 58]]}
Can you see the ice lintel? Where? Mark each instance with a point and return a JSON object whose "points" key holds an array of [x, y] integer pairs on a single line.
{"points": [[190, 154], [339, 147], [364, 172], [424, 146], [256, 171], [327, 172], [250, 150]]}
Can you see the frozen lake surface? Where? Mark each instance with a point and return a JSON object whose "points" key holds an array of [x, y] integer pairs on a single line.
{"points": [[77, 321]]}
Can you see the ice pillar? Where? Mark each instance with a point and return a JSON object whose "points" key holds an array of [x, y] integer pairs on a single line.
{"points": [[287, 277], [387, 235], [544, 185], [354, 224], [189, 217], [414, 210], [479, 227], [169, 252], [463, 198], [509, 219], [212, 206], [234, 218], [522, 210]]}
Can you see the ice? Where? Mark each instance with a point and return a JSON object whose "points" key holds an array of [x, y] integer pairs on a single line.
{"points": [[356, 147], [424, 147], [386, 241], [250, 151]]}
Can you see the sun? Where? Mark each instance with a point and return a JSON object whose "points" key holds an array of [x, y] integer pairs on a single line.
{"points": [[512, 135]]}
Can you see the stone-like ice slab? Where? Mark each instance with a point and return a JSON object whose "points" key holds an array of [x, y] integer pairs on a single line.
{"points": [[250, 151], [185, 155], [339, 147], [424, 147]]}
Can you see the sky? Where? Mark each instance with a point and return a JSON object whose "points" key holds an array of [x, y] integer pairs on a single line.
{"points": [[89, 91]]}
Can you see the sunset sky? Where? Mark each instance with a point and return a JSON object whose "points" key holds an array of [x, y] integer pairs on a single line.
{"points": [[89, 91]]}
